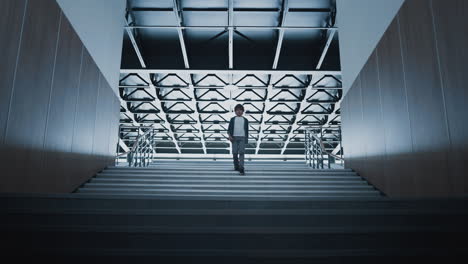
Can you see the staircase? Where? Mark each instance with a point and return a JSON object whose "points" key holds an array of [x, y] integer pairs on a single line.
{"points": [[218, 180], [204, 212]]}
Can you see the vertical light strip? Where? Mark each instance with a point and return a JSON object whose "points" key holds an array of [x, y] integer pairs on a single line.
{"points": [[77, 95], [97, 111], [135, 47], [404, 81], [152, 90], [443, 88], [15, 72], [52, 80], [331, 34], [279, 44], [181, 34], [439, 65], [231, 34], [377, 58]]}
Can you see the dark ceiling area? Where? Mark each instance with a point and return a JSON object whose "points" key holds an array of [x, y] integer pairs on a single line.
{"points": [[186, 63], [257, 27]]}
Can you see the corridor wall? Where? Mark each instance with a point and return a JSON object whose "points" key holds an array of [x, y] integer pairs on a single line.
{"points": [[58, 115], [405, 117]]}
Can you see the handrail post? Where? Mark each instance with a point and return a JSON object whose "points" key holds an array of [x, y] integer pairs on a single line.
{"points": [[306, 146], [341, 146], [316, 156], [321, 154], [311, 150], [315, 150], [309, 158], [142, 152]]}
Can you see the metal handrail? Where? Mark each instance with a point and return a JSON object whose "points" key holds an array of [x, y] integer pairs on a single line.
{"points": [[315, 151], [142, 151], [324, 149]]}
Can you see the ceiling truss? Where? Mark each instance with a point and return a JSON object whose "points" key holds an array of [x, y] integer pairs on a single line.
{"points": [[190, 106]]}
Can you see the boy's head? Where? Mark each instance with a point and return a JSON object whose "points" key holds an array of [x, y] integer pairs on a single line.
{"points": [[239, 109]]}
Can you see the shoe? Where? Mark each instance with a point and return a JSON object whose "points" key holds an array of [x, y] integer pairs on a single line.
{"points": [[236, 168], [242, 172]]}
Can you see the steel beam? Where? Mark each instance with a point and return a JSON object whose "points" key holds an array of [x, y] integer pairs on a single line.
{"points": [[227, 27], [193, 71], [193, 104], [264, 117], [134, 44], [331, 34], [299, 116], [314, 72], [153, 93], [337, 149], [333, 115], [278, 49], [255, 88], [231, 34], [181, 34], [228, 156], [280, 34], [123, 145], [130, 114], [158, 104], [240, 10]]}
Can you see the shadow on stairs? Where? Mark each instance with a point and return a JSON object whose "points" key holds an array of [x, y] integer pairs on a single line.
{"points": [[183, 212]]}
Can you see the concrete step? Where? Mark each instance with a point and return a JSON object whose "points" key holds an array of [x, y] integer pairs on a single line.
{"points": [[376, 205], [229, 192], [286, 221], [229, 177], [237, 181], [230, 218], [146, 241], [230, 162], [226, 172], [227, 197], [229, 173], [230, 168], [217, 180], [229, 186]]}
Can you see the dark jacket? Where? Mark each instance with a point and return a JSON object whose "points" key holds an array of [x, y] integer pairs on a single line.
{"points": [[246, 128]]}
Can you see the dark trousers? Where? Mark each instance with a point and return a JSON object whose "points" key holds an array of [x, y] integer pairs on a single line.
{"points": [[238, 152]]}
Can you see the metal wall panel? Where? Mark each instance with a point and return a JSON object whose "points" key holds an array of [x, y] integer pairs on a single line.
{"points": [[85, 118], [113, 130], [62, 107], [425, 98], [102, 124], [345, 129], [396, 123], [357, 146], [100, 141], [51, 127], [28, 114], [106, 132], [422, 75], [374, 142], [86, 108], [11, 22], [450, 20]]}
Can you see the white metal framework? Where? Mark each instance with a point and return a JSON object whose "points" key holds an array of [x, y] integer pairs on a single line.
{"points": [[187, 63]]}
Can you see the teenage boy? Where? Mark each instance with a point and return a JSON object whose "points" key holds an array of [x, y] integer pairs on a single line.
{"points": [[238, 132]]}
